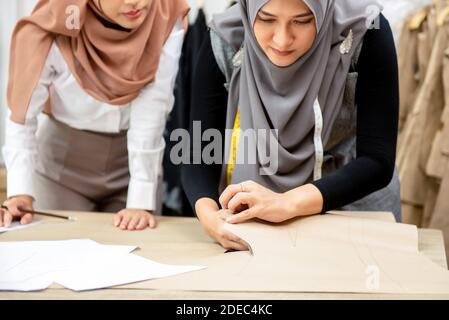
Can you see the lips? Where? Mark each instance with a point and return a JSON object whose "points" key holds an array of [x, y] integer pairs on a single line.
{"points": [[281, 53], [133, 14]]}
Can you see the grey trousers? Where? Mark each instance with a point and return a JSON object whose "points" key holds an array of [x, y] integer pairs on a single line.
{"points": [[80, 170]]}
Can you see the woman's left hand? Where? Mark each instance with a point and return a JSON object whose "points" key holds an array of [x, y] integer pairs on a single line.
{"points": [[134, 219], [250, 200]]}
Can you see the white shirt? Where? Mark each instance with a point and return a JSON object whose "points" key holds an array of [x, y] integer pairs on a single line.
{"points": [[144, 118]]}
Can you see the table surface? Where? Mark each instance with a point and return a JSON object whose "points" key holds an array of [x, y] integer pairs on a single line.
{"points": [[175, 241]]}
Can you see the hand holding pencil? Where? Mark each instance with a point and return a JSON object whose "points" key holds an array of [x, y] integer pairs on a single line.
{"points": [[21, 208], [10, 210]]}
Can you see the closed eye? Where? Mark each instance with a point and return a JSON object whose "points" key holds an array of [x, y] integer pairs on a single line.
{"points": [[267, 20], [302, 22]]}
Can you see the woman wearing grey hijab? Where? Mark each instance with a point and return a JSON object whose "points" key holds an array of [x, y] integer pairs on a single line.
{"points": [[293, 67]]}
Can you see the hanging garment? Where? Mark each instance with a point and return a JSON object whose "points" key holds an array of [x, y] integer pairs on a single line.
{"points": [[421, 157], [421, 128], [436, 164], [408, 63], [440, 216]]}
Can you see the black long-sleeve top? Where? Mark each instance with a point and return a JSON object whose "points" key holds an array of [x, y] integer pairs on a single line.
{"points": [[377, 99]]}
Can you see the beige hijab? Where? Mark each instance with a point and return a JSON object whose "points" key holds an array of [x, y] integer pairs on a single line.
{"points": [[111, 65]]}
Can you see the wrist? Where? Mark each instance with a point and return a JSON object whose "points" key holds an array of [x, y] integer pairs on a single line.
{"points": [[204, 207], [206, 211], [137, 209], [24, 197], [291, 205], [304, 201]]}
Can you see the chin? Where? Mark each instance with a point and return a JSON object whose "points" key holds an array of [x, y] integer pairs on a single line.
{"points": [[132, 25], [282, 63]]}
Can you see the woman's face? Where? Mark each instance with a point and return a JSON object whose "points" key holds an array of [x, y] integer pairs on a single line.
{"points": [[285, 30], [129, 14]]}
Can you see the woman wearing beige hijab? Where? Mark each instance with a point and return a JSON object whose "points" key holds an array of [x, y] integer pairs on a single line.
{"points": [[102, 73]]}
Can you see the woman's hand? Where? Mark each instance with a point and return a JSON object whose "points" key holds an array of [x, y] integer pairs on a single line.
{"points": [[213, 221], [14, 205], [250, 200], [134, 219]]}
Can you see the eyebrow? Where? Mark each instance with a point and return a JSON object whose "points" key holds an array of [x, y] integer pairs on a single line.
{"points": [[301, 15]]}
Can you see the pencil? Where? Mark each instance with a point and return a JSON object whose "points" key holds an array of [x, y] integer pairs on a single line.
{"points": [[53, 215]]}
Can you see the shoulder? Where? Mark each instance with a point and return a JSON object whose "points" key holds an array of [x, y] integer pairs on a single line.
{"points": [[378, 46], [380, 32]]}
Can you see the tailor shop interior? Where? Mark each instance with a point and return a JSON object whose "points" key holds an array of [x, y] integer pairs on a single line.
{"points": [[421, 35]]}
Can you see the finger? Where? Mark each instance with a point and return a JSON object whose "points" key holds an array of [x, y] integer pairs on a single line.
{"points": [[228, 194], [231, 237], [231, 245], [10, 205], [1, 217], [26, 218], [134, 222], [241, 217], [7, 219], [118, 219], [125, 221], [143, 223], [240, 199], [239, 246], [152, 222], [14, 210], [226, 244], [224, 214]]}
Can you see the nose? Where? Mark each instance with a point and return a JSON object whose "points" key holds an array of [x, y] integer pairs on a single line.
{"points": [[282, 38], [132, 2]]}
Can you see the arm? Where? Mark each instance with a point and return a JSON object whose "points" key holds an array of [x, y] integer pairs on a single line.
{"points": [[209, 105], [377, 98], [146, 144], [200, 181], [20, 152]]}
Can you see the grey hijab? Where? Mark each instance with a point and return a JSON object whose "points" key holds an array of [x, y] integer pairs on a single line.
{"points": [[271, 97]]}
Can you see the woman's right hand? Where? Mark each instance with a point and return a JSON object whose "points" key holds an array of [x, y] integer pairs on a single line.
{"points": [[213, 221], [14, 205]]}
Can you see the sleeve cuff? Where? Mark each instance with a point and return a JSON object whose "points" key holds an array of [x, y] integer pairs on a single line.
{"points": [[319, 186], [20, 183], [142, 195]]}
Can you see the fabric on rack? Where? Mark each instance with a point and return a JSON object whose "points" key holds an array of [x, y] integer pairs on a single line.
{"points": [[414, 52], [421, 127], [439, 219], [423, 148], [397, 11]]}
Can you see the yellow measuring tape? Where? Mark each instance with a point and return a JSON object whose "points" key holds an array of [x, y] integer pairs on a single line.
{"points": [[233, 150]]}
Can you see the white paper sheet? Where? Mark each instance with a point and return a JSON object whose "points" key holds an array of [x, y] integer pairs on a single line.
{"points": [[109, 270], [17, 226], [76, 264], [33, 284]]}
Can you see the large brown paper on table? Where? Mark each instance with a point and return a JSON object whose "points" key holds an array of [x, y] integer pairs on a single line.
{"points": [[330, 253]]}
